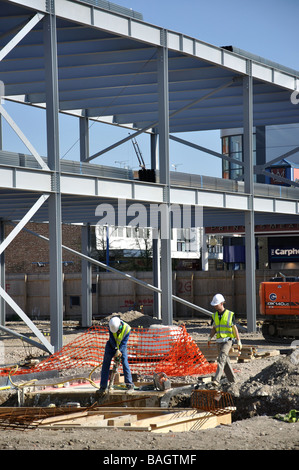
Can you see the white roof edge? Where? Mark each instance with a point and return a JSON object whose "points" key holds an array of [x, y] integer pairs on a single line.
{"points": [[139, 30]]}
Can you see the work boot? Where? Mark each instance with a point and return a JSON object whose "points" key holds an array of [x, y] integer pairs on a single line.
{"points": [[101, 392], [130, 387]]}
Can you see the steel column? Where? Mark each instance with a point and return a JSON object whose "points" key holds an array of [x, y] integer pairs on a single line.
{"points": [[2, 275], [156, 238], [204, 250], [55, 219], [165, 229], [249, 215], [84, 138], [1, 139], [86, 283]]}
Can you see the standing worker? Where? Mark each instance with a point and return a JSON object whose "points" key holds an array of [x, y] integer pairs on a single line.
{"points": [[226, 330], [116, 346]]}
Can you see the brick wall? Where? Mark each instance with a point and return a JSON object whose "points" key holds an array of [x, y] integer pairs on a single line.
{"points": [[26, 250]]}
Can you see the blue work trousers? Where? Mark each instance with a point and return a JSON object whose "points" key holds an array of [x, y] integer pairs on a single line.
{"points": [[108, 356]]}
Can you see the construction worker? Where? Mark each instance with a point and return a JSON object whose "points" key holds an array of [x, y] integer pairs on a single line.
{"points": [[116, 346], [226, 331]]}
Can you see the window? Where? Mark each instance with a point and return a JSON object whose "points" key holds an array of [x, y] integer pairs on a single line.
{"points": [[225, 163], [119, 232], [232, 146], [74, 301], [184, 238], [236, 152]]}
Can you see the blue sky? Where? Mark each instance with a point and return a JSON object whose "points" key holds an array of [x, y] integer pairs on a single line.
{"points": [[268, 28]]}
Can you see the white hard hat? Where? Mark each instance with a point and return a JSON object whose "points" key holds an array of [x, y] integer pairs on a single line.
{"points": [[114, 324], [217, 299]]}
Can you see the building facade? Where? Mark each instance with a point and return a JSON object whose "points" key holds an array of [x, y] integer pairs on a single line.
{"points": [[276, 149]]}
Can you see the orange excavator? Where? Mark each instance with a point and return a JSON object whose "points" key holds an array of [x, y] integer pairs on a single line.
{"points": [[279, 306]]}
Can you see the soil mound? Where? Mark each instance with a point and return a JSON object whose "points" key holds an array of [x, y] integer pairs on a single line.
{"points": [[278, 380], [134, 318]]}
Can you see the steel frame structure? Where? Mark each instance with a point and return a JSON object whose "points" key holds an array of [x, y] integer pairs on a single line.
{"points": [[73, 57]]}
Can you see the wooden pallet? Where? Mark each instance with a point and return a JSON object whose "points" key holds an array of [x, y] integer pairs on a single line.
{"points": [[139, 419], [248, 353]]}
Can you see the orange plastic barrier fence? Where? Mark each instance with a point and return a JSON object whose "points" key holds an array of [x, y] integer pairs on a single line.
{"points": [[156, 349]]}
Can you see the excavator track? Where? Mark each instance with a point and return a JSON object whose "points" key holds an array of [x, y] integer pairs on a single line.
{"points": [[280, 332]]}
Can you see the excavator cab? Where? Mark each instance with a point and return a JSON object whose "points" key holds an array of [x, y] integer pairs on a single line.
{"points": [[279, 305]]}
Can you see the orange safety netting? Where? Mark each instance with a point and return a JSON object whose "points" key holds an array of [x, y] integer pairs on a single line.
{"points": [[159, 349]]}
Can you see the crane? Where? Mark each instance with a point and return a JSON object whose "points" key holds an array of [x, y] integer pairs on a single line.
{"points": [[138, 153]]}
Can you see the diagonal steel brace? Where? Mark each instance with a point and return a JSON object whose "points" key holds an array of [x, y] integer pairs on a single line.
{"points": [[4, 294], [20, 35]]}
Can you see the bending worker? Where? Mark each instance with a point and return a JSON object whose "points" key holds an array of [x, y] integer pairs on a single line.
{"points": [[116, 346], [226, 331]]}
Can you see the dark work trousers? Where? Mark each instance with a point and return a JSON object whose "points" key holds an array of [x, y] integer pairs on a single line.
{"points": [[224, 364], [109, 354]]}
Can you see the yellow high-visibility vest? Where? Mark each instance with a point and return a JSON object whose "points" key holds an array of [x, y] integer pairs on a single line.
{"points": [[224, 325], [119, 337]]}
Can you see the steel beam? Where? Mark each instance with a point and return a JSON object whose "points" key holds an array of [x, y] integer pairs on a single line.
{"points": [[261, 169], [47, 348], [205, 150], [279, 178], [277, 159]]}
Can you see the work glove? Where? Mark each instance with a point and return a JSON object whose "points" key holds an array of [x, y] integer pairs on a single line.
{"points": [[239, 344]]}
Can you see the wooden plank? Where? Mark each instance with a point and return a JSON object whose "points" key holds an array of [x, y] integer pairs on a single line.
{"points": [[96, 427], [186, 424], [111, 412], [125, 420], [98, 420], [132, 428], [148, 421], [205, 421], [62, 417], [266, 353], [170, 416]]}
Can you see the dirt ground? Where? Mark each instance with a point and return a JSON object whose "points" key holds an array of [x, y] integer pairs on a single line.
{"points": [[264, 388]]}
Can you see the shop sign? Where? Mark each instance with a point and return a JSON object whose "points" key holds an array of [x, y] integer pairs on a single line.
{"points": [[284, 254]]}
